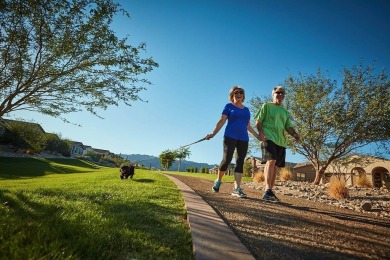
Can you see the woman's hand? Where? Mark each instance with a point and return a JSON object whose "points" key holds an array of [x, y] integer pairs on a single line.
{"points": [[262, 137], [209, 136]]}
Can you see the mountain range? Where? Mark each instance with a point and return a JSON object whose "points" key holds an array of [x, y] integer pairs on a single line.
{"points": [[150, 161]]}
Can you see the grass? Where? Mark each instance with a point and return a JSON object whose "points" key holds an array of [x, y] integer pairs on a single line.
{"points": [[259, 176], [285, 174], [72, 209], [338, 188]]}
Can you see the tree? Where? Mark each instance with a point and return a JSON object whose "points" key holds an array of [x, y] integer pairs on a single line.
{"points": [[50, 142], [167, 158], [335, 121], [61, 56], [182, 153]]}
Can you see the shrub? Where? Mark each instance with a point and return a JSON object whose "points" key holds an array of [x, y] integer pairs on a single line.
{"points": [[63, 147], [362, 181], [26, 135], [285, 174], [50, 142], [259, 176], [247, 169], [204, 170], [95, 156], [337, 188]]}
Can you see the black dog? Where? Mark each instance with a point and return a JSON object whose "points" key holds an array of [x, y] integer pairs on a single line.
{"points": [[126, 171]]}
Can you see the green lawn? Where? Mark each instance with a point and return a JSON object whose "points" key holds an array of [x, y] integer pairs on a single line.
{"points": [[73, 209]]}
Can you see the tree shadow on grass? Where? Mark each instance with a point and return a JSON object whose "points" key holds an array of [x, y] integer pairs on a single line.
{"points": [[136, 229], [15, 168], [144, 180]]}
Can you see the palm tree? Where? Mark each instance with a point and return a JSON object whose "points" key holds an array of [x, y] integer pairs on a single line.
{"points": [[182, 153]]}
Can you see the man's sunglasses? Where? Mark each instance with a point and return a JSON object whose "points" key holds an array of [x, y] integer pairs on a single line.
{"points": [[238, 92], [279, 93]]}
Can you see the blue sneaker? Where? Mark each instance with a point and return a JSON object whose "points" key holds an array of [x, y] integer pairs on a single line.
{"points": [[269, 195], [273, 195], [238, 193], [216, 186], [266, 196]]}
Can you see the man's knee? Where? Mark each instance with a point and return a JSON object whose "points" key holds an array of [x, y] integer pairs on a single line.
{"points": [[271, 162]]}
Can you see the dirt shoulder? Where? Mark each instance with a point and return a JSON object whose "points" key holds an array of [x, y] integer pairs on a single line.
{"points": [[296, 228]]}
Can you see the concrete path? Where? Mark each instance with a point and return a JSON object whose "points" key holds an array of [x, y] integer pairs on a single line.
{"points": [[212, 238]]}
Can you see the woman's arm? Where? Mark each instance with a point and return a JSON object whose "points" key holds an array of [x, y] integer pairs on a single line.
{"points": [[218, 127], [252, 131]]}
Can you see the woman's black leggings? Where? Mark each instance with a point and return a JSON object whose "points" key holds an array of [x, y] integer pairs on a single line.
{"points": [[229, 145]]}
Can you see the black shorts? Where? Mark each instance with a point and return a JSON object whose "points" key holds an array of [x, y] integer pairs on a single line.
{"points": [[272, 151]]}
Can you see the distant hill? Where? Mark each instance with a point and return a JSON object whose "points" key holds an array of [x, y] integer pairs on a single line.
{"points": [[149, 161]]}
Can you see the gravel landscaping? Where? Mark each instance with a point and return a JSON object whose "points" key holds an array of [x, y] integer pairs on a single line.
{"points": [[300, 227]]}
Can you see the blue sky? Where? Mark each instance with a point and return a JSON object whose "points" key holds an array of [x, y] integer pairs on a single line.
{"points": [[204, 47]]}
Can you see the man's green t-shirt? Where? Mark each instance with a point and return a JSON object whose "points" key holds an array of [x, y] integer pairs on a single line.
{"points": [[274, 120]]}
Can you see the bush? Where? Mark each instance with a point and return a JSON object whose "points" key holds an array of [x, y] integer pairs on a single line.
{"points": [[285, 174], [362, 181], [95, 156], [23, 135], [337, 188], [63, 147], [50, 142], [204, 170], [247, 169], [259, 176]]}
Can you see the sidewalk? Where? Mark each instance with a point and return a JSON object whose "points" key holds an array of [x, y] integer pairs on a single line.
{"points": [[211, 237]]}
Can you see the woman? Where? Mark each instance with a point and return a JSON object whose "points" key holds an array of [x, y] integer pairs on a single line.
{"points": [[235, 137]]}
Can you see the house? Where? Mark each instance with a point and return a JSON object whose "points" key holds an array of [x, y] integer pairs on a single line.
{"points": [[214, 170], [258, 165], [6, 124], [374, 168], [229, 171], [87, 149], [76, 149], [304, 172], [101, 151]]}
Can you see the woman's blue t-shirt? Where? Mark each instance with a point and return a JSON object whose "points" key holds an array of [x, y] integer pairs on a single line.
{"points": [[238, 119]]}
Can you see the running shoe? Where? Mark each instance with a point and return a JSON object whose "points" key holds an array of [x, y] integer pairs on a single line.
{"points": [[267, 196], [273, 195], [238, 193], [216, 186]]}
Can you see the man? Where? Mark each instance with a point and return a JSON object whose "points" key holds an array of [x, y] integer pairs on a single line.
{"points": [[272, 121]]}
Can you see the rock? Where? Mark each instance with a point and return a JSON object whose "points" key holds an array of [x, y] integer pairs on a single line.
{"points": [[366, 206], [377, 200]]}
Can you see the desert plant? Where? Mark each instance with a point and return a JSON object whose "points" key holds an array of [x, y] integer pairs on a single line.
{"points": [[362, 181], [259, 176], [337, 188], [248, 169], [285, 174]]}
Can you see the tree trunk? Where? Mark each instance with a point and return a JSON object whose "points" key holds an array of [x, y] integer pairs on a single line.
{"points": [[178, 169], [319, 175]]}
